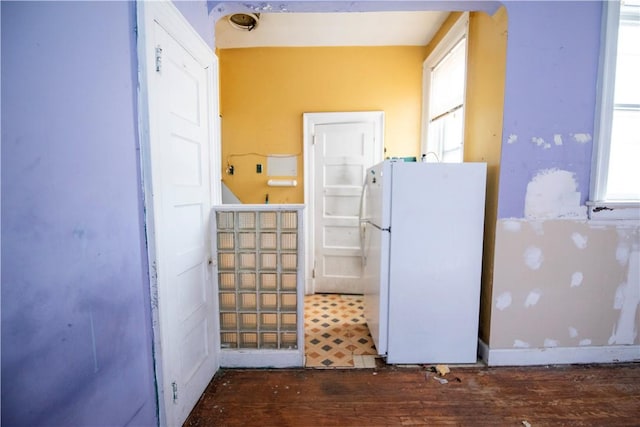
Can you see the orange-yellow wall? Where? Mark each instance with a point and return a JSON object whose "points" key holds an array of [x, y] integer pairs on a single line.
{"points": [[483, 128], [484, 106], [265, 91]]}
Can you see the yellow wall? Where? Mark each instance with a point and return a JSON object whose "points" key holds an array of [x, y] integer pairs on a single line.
{"points": [[483, 128], [484, 105], [265, 91]]}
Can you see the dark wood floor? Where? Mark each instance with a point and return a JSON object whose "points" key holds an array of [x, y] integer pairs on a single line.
{"points": [[588, 395]]}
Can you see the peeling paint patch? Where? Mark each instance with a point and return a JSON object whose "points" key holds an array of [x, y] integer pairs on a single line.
{"points": [[512, 139], [533, 257], [532, 298], [552, 194], [579, 240], [520, 344], [512, 225], [548, 342], [557, 139], [576, 279], [573, 332], [503, 300], [540, 142], [582, 138], [626, 300], [585, 341]]}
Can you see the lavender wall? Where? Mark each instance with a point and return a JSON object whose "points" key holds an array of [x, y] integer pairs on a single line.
{"points": [[76, 338], [197, 13], [552, 61]]}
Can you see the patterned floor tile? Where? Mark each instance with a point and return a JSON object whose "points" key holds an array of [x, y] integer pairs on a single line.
{"points": [[335, 331]]}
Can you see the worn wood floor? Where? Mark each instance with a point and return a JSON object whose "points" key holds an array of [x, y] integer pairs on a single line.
{"points": [[588, 395]]}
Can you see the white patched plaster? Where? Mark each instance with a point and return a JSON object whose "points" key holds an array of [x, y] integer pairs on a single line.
{"points": [[540, 142], [582, 138], [512, 225], [618, 299], [537, 227], [573, 332], [557, 139], [533, 257], [548, 342], [512, 138], [520, 344], [532, 298], [626, 300], [622, 254], [503, 300], [551, 194], [576, 279], [585, 341], [579, 240]]}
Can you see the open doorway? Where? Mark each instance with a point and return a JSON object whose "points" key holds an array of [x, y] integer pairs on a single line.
{"points": [[265, 86], [339, 147]]}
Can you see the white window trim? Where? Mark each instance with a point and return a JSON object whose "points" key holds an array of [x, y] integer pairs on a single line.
{"points": [[598, 207], [458, 31]]}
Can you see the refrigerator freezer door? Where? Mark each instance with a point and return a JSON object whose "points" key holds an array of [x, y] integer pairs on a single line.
{"points": [[437, 221]]}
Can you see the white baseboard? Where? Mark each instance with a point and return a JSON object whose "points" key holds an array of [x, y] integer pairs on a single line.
{"points": [[557, 355], [261, 358]]}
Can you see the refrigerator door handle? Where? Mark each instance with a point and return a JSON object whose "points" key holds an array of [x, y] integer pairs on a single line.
{"points": [[362, 221]]}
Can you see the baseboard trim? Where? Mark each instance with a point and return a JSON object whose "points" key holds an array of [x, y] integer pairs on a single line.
{"points": [[261, 358], [557, 355]]}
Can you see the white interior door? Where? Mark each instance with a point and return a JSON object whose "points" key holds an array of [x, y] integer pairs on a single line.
{"points": [[179, 75], [342, 152]]}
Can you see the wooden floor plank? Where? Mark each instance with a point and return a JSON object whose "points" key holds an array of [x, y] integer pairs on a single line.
{"points": [[587, 395]]}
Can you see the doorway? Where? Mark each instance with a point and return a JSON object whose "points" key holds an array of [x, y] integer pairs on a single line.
{"points": [[339, 147]]}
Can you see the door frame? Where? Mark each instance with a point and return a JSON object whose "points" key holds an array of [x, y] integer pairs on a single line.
{"points": [[166, 14], [309, 121]]}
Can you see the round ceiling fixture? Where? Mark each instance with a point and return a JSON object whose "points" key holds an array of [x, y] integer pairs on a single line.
{"points": [[244, 21]]}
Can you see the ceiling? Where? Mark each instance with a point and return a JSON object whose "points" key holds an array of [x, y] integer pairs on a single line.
{"points": [[333, 29]]}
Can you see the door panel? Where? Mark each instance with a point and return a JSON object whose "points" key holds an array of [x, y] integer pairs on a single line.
{"points": [[180, 146], [343, 151]]}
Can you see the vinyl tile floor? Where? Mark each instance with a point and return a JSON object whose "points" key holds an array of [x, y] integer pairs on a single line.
{"points": [[336, 334]]}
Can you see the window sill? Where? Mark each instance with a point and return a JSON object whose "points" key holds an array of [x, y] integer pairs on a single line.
{"points": [[613, 211]]}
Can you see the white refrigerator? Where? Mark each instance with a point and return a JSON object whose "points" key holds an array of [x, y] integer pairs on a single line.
{"points": [[421, 230]]}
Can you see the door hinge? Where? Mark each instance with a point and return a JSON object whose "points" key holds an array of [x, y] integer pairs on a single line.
{"points": [[313, 273], [313, 139], [174, 387], [158, 58]]}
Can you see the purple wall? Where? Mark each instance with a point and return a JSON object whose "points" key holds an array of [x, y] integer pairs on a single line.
{"points": [[76, 336], [552, 61], [196, 12]]}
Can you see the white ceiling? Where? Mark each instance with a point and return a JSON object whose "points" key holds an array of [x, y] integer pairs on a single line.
{"points": [[333, 29]]}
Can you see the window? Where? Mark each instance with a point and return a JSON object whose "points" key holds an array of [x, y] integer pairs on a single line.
{"points": [[616, 171], [444, 74]]}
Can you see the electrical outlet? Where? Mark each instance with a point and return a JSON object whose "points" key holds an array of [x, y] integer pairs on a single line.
{"points": [[258, 168]]}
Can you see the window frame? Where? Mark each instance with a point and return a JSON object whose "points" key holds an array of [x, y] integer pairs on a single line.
{"points": [[458, 31], [598, 206]]}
